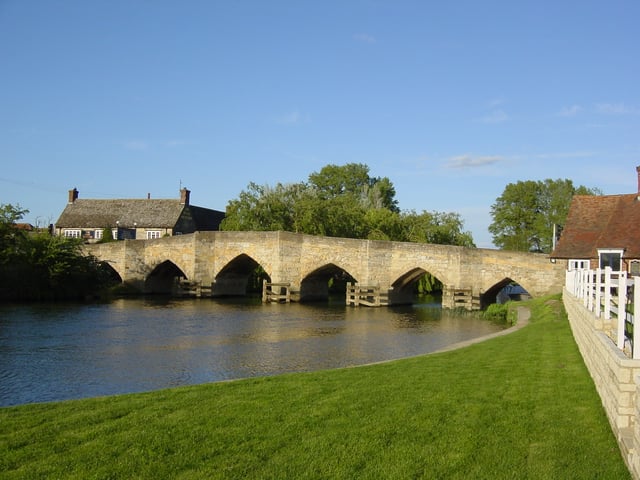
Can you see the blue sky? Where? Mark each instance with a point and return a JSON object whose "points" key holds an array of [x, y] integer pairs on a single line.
{"points": [[450, 100]]}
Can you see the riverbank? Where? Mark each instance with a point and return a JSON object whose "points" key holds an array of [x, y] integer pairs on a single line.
{"points": [[516, 406]]}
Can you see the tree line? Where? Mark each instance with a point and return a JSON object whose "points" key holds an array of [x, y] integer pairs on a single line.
{"points": [[346, 201]]}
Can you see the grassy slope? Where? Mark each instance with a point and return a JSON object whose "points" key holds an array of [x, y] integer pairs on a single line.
{"points": [[518, 406]]}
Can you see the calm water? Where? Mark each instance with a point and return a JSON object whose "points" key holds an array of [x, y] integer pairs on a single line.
{"points": [[58, 352]]}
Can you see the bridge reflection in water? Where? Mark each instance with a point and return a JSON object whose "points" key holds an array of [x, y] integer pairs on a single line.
{"points": [[57, 352]]}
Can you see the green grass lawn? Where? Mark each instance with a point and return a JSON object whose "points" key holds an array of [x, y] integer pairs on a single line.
{"points": [[517, 406]]}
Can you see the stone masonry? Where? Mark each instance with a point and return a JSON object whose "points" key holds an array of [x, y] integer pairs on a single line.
{"points": [[616, 377], [222, 259]]}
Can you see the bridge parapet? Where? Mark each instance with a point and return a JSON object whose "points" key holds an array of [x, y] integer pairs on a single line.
{"points": [[224, 260]]}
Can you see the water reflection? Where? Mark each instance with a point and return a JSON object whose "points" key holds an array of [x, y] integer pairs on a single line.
{"points": [[56, 352]]}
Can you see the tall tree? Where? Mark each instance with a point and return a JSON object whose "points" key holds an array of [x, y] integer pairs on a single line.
{"points": [[524, 215]]}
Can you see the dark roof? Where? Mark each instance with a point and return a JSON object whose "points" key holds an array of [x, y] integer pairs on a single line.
{"points": [[145, 213], [24, 226], [205, 218], [600, 221]]}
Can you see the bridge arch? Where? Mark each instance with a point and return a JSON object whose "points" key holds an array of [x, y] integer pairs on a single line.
{"points": [[162, 278], [239, 275], [491, 295], [111, 272], [317, 284], [403, 288]]}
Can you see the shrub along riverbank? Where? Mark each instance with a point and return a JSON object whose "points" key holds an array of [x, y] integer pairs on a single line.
{"points": [[516, 406]]}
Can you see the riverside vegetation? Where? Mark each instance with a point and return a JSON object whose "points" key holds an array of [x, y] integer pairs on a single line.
{"points": [[38, 266], [515, 406]]}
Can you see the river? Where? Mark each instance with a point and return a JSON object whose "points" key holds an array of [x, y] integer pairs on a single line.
{"points": [[51, 352]]}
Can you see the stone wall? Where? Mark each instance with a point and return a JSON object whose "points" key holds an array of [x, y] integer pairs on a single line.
{"points": [[616, 378]]}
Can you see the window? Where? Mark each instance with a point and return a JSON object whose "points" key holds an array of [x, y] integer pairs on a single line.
{"points": [[153, 234], [97, 234], [579, 264], [72, 233], [634, 268], [610, 258]]}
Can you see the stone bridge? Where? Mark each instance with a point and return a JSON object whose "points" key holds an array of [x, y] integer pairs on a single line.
{"points": [[224, 262]]}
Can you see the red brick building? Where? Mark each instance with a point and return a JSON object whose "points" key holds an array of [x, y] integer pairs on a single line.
{"points": [[601, 231]]}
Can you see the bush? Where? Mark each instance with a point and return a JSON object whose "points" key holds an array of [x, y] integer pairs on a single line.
{"points": [[497, 313]]}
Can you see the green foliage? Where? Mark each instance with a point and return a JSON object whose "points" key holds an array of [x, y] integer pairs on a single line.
{"points": [[43, 267], [107, 235], [341, 201], [496, 312], [11, 237], [435, 227], [524, 215]]}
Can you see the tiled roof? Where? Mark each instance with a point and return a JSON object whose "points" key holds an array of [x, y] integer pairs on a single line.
{"points": [[146, 213], [600, 221]]}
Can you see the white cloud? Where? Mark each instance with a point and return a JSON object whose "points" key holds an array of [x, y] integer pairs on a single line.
{"points": [[469, 161], [571, 111], [364, 38], [616, 109], [293, 118], [137, 145], [495, 116], [495, 102]]}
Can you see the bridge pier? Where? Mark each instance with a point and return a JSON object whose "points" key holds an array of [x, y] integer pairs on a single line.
{"points": [[369, 296], [465, 298], [276, 292]]}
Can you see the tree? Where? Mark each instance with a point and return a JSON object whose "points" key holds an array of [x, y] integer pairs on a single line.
{"points": [[42, 267], [264, 208], [334, 203], [353, 180], [11, 237], [435, 227], [524, 215]]}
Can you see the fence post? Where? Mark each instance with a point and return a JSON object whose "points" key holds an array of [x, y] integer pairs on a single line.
{"points": [[636, 308], [591, 289], [607, 293], [622, 306], [585, 287], [598, 299]]}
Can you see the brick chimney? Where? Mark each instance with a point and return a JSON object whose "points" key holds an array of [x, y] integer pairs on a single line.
{"points": [[73, 194], [184, 196], [638, 171]]}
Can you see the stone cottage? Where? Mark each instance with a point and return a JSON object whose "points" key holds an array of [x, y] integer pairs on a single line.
{"points": [[134, 218]]}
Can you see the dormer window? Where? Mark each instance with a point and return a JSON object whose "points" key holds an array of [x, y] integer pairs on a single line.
{"points": [[610, 257]]}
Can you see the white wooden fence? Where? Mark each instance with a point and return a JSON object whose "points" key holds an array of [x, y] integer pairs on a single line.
{"points": [[611, 296]]}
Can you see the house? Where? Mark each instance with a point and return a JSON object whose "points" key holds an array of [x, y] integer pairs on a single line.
{"points": [[134, 218], [602, 231]]}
